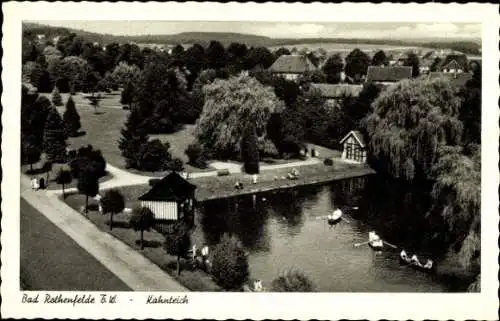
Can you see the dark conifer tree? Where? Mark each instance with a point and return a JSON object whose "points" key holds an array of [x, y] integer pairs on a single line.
{"points": [[54, 137], [133, 138], [71, 118]]}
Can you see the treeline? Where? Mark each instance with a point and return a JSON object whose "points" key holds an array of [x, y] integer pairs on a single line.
{"points": [[468, 47]]}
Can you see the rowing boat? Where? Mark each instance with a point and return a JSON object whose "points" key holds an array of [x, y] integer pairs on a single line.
{"points": [[427, 267]]}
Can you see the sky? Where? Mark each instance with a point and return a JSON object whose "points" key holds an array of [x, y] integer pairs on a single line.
{"points": [[391, 30]]}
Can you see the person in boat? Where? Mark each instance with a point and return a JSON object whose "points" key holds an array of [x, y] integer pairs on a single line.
{"points": [[403, 255], [373, 236], [414, 260], [428, 264]]}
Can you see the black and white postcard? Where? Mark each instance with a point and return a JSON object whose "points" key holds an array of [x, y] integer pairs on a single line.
{"points": [[243, 160]]}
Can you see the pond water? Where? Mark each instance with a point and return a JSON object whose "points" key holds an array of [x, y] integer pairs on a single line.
{"points": [[288, 229]]}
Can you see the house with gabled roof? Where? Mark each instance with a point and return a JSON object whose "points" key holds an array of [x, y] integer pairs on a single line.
{"points": [[291, 66], [388, 75], [354, 147], [452, 67]]}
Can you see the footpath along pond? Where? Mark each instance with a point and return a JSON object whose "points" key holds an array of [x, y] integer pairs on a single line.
{"points": [[288, 229]]}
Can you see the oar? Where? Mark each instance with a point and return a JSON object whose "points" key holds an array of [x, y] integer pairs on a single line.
{"points": [[391, 245], [358, 244]]}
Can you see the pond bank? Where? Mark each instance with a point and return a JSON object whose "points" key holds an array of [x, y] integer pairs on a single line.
{"points": [[211, 188]]}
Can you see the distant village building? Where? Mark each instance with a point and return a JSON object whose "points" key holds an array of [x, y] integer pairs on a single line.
{"points": [[291, 66], [425, 66], [170, 199], [336, 93], [388, 75], [354, 147]]}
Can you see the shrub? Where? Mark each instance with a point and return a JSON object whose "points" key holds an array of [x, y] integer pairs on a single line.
{"points": [[89, 159], [292, 281], [56, 97], [328, 162], [112, 202], [229, 263], [195, 154], [267, 148], [176, 165], [223, 172], [154, 156]]}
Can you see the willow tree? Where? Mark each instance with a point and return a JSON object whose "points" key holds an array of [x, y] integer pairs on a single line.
{"points": [[230, 106], [411, 120], [457, 200]]}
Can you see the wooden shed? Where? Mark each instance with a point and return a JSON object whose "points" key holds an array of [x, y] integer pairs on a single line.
{"points": [[170, 199], [354, 147]]}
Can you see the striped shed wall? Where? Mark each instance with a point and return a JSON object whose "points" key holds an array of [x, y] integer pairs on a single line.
{"points": [[163, 210]]}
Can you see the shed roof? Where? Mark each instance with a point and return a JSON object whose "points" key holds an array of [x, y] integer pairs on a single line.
{"points": [[170, 188], [357, 135], [294, 64], [388, 74], [338, 90]]}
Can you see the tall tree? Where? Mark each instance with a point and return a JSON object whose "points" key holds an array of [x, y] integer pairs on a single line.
{"points": [[215, 55], [230, 105], [250, 150], [178, 242], [133, 137], [30, 150], [457, 200], [380, 59], [54, 137], [127, 94], [71, 118], [356, 64], [142, 219], [282, 51], [88, 185], [413, 62], [64, 177], [259, 57], [333, 68], [470, 111], [411, 120], [56, 97], [113, 203]]}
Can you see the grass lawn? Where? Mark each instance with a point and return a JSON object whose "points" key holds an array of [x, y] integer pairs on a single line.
{"points": [[193, 279], [103, 130]]}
